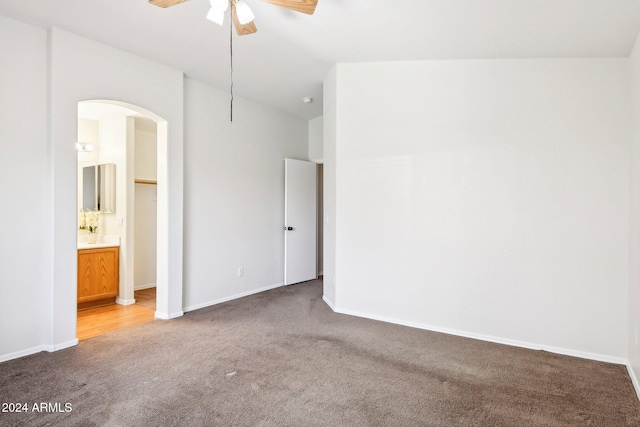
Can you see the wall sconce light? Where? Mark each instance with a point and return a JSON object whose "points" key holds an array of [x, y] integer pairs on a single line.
{"points": [[83, 146]]}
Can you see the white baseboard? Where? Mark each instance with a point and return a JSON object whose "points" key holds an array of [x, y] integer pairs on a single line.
{"points": [[329, 303], [22, 353], [38, 349], [490, 338], [125, 301], [634, 380], [63, 345], [141, 287], [169, 316], [232, 297]]}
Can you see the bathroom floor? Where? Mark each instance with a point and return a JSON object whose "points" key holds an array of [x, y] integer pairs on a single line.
{"points": [[100, 320], [146, 298]]}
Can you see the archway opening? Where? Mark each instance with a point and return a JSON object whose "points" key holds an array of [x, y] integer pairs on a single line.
{"points": [[115, 129]]}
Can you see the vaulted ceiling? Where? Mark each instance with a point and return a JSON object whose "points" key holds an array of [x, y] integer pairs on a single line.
{"points": [[287, 59]]}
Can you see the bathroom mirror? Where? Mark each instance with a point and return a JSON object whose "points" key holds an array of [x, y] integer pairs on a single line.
{"points": [[99, 187]]}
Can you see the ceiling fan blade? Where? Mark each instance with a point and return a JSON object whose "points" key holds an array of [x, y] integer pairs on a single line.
{"points": [[245, 29], [166, 3], [304, 6]]}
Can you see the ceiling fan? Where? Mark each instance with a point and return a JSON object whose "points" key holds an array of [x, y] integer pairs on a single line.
{"points": [[240, 13]]}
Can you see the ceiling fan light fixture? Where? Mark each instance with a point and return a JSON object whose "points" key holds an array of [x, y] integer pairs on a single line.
{"points": [[216, 16], [245, 15]]}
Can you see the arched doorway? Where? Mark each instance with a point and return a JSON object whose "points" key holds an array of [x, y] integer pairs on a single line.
{"points": [[117, 133]]}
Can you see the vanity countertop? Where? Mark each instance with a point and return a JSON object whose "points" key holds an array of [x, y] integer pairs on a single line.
{"points": [[103, 241], [96, 245]]}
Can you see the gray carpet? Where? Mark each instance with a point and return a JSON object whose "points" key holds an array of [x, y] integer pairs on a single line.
{"points": [[283, 358]]}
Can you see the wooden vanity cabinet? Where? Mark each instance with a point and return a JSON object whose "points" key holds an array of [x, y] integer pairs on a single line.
{"points": [[98, 276]]}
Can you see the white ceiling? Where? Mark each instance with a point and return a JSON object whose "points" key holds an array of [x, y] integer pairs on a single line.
{"points": [[289, 56]]}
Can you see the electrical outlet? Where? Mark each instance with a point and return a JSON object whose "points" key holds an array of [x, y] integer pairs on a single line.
{"points": [[240, 271]]}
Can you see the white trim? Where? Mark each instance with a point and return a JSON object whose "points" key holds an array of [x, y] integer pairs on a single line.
{"points": [[62, 346], [22, 353], [163, 316], [125, 301], [38, 349], [232, 297], [490, 338], [329, 303], [141, 287], [634, 380]]}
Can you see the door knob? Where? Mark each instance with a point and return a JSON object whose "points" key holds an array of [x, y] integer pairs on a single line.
{"points": [[288, 228]]}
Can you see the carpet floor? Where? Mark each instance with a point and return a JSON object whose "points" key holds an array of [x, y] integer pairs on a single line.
{"points": [[283, 358]]}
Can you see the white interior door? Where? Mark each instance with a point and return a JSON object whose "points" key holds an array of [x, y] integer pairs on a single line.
{"points": [[299, 221]]}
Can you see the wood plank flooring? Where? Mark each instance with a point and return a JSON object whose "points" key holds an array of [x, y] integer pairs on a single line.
{"points": [[100, 320], [146, 298]]}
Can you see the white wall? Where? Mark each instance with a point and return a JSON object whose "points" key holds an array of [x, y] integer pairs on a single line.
{"points": [[234, 194], [82, 70], [486, 198], [316, 150], [320, 221], [25, 254], [634, 222], [113, 149], [235, 182], [145, 251], [146, 150], [145, 205], [330, 188], [316, 154]]}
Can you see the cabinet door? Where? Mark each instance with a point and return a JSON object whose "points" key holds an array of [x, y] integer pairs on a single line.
{"points": [[97, 274]]}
